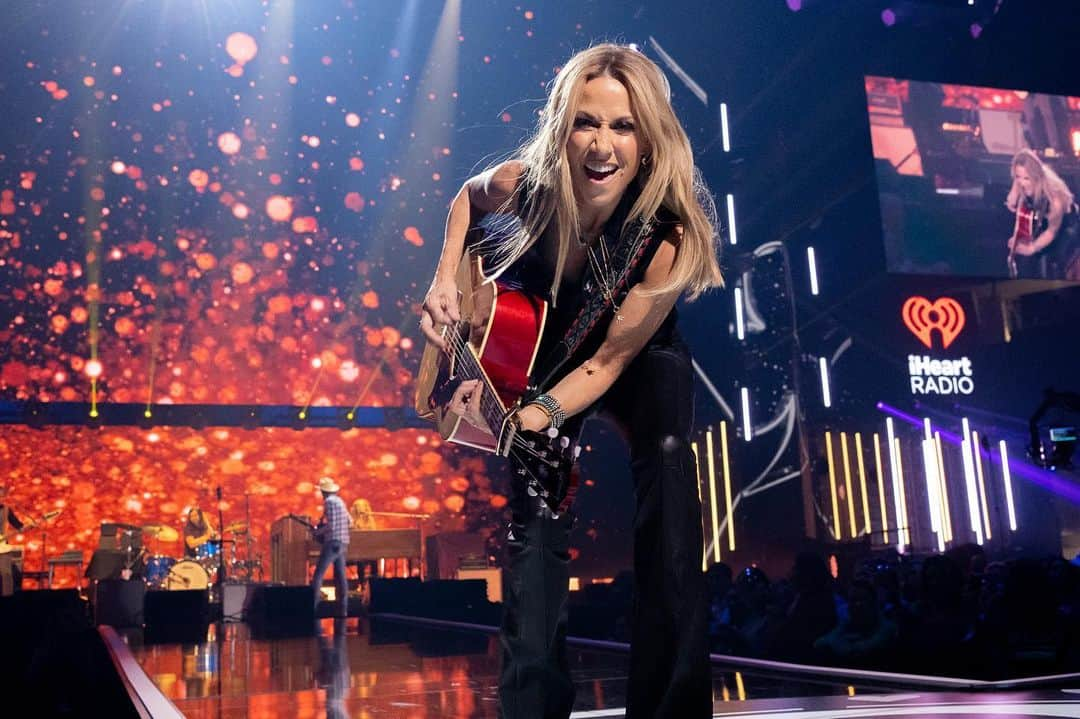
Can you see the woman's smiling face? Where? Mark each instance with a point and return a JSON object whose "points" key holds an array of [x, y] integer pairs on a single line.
{"points": [[604, 150]]}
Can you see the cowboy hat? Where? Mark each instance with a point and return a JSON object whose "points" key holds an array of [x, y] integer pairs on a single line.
{"points": [[326, 484]]}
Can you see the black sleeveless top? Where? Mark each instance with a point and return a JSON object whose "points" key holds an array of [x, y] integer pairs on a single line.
{"points": [[577, 323]]}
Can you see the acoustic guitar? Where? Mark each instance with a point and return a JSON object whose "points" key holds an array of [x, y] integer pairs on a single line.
{"points": [[496, 342]]}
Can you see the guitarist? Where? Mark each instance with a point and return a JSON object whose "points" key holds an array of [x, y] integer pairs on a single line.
{"points": [[1040, 247], [332, 532], [608, 220], [10, 573]]}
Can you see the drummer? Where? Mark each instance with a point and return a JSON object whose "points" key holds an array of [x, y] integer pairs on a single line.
{"points": [[197, 532]]}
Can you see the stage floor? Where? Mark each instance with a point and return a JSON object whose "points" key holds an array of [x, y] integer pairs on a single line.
{"points": [[390, 668]]}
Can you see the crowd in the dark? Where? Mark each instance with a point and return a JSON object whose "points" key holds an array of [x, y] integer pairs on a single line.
{"points": [[953, 614]]}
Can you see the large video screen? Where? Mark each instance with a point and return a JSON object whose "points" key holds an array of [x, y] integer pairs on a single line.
{"points": [[976, 181], [152, 477]]}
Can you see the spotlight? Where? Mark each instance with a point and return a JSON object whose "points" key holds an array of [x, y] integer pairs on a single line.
{"points": [[888, 16]]}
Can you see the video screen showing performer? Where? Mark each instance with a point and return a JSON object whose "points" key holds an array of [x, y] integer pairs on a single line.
{"points": [[976, 181]]}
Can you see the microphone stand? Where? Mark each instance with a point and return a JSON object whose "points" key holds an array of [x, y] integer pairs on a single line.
{"points": [[221, 548]]}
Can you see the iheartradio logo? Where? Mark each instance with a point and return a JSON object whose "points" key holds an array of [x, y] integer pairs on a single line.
{"points": [[922, 317]]}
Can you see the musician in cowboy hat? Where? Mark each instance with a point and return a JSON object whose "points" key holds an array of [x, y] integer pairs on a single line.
{"points": [[333, 532]]}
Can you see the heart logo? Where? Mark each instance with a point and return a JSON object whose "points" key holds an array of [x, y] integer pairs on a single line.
{"points": [[922, 317]]}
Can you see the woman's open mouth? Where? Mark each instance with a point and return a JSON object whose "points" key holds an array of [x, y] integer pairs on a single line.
{"points": [[600, 172]]}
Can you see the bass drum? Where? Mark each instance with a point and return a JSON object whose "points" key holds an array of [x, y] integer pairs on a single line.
{"points": [[187, 574]]}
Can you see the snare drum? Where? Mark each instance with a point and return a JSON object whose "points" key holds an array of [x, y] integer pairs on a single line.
{"points": [[157, 569], [187, 574]]}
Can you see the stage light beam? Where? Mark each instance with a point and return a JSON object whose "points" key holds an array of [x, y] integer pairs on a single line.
{"points": [[740, 325], [713, 508], [748, 428], [847, 484], [732, 236], [727, 487], [1006, 478], [861, 464], [883, 508]]}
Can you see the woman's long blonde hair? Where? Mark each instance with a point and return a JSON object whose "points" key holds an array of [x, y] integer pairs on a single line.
{"points": [[668, 178], [1047, 182]]}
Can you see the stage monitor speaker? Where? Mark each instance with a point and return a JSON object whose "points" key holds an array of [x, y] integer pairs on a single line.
{"points": [[275, 611], [177, 616], [461, 600], [119, 603], [236, 599], [445, 550]]}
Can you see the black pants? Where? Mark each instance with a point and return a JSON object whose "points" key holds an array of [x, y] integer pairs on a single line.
{"points": [[669, 675]]}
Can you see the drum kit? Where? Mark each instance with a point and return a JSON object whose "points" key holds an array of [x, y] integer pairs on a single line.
{"points": [[198, 572]]}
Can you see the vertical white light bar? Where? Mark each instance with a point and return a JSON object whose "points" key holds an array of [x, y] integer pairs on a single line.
{"points": [[971, 488], [930, 470], [826, 395], [946, 516], [894, 471], [731, 219], [1006, 476], [724, 127], [813, 270], [982, 483], [905, 522], [747, 428], [740, 327]]}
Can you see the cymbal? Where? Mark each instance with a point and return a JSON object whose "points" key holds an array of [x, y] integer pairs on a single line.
{"points": [[236, 527], [161, 531]]}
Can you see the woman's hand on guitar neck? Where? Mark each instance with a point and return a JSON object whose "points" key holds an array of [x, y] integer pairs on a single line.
{"points": [[440, 308], [466, 404]]}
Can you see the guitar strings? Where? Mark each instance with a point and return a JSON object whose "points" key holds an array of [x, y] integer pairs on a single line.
{"points": [[462, 351]]}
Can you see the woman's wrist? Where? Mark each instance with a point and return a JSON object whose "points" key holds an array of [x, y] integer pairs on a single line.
{"points": [[533, 418]]}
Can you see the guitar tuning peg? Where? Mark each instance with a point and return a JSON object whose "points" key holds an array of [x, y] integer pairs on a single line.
{"points": [[554, 515], [564, 442], [521, 471], [552, 432], [531, 490], [577, 451]]}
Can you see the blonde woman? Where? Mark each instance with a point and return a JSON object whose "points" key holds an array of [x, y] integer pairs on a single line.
{"points": [[605, 189], [1039, 250]]}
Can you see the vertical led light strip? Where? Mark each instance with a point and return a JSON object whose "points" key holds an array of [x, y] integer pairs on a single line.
{"points": [[826, 395], [748, 428], [727, 488], [930, 470], [881, 490], [712, 493], [832, 486], [847, 484], [946, 515], [903, 521], [740, 326], [724, 127], [812, 262], [697, 474], [1006, 477], [897, 484], [982, 483], [972, 490], [862, 483], [731, 219]]}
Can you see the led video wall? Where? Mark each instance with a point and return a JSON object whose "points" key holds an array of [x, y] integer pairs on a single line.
{"points": [[976, 181]]}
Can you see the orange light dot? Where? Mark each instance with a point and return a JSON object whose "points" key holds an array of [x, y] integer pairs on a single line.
{"points": [[303, 225], [411, 503], [352, 120], [242, 273], [241, 47], [279, 208], [229, 143], [356, 164], [354, 201], [93, 369], [370, 299], [240, 211], [198, 179], [412, 236], [118, 167]]}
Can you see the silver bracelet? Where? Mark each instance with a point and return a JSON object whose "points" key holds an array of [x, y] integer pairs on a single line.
{"points": [[552, 408]]}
